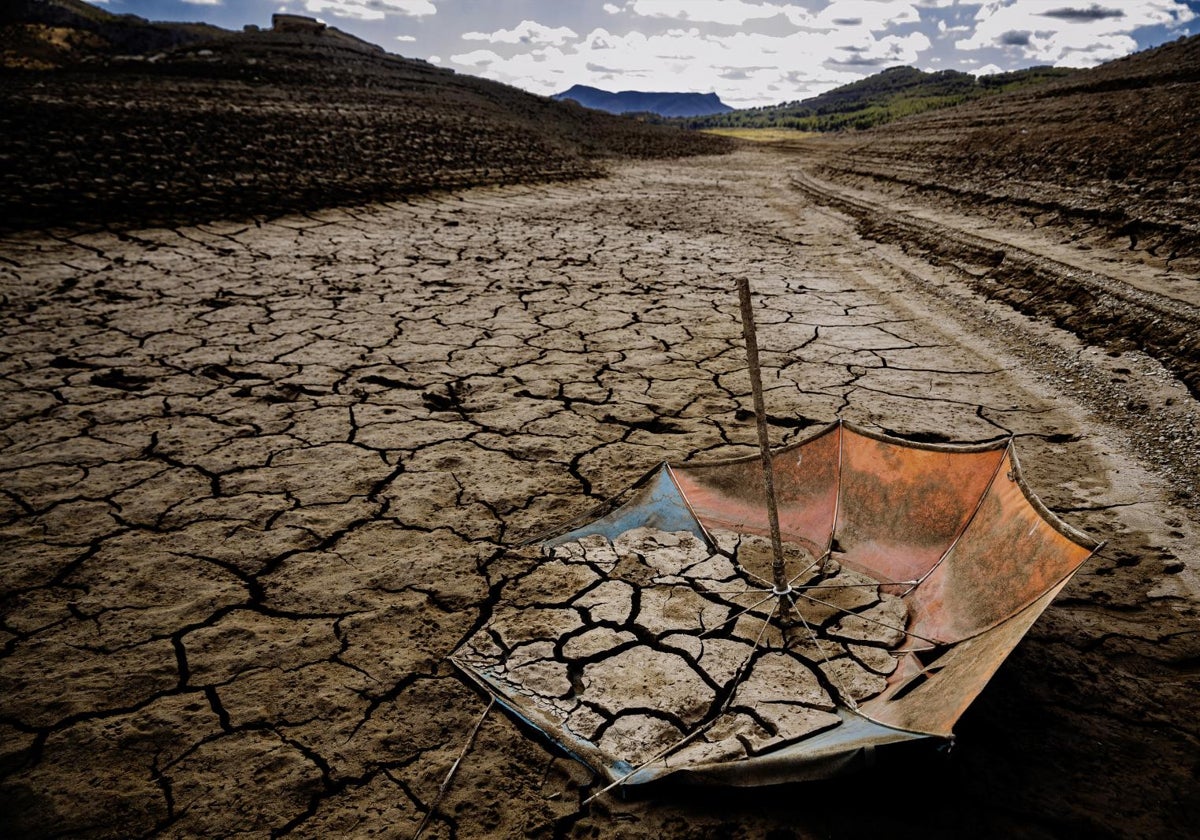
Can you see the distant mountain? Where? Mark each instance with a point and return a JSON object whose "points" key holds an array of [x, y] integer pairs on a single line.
{"points": [[641, 102], [881, 98]]}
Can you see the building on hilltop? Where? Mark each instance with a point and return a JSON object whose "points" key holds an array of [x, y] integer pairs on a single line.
{"points": [[295, 23]]}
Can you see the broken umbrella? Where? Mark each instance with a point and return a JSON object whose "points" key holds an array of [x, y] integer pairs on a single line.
{"points": [[776, 618]]}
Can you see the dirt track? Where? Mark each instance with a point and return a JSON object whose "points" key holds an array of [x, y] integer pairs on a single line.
{"points": [[258, 479]]}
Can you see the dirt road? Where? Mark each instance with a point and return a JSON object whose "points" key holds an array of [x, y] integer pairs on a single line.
{"points": [[258, 480]]}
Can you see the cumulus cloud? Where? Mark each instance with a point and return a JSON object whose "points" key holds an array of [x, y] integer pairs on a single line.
{"points": [[371, 9], [759, 52], [1067, 34], [526, 32], [477, 59], [889, 51], [873, 15], [1093, 12], [987, 70], [745, 68], [728, 12]]}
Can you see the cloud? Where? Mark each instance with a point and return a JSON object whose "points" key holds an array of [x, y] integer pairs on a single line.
{"points": [[889, 51], [872, 15], [745, 68], [1069, 35], [1015, 39], [406, 38], [371, 9], [477, 59], [876, 15], [987, 70], [1094, 12], [728, 12], [526, 32]]}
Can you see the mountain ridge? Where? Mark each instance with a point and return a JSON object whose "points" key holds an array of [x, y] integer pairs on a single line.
{"points": [[662, 103], [880, 98]]}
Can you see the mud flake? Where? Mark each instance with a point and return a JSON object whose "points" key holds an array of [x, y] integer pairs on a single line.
{"points": [[544, 679], [637, 738], [665, 609], [780, 676], [520, 626], [612, 601], [877, 660], [791, 723], [643, 677], [245, 639], [552, 582], [251, 773], [883, 624], [595, 641], [852, 681]]}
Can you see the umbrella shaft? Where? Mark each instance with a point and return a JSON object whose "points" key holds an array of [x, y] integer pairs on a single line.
{"points": [[764, 440]]}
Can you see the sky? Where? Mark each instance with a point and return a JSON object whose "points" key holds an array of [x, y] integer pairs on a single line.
{"points": [[749, 52]]}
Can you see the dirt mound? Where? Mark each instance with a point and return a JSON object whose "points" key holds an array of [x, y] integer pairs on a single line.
{"points": [[263, 123], [1107, 154]]}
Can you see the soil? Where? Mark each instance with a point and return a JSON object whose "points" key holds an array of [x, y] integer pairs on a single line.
{"points": [[267, 123], [261, 477]]}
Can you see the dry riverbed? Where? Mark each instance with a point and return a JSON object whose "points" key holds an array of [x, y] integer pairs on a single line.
{"points": [[260, 479]]}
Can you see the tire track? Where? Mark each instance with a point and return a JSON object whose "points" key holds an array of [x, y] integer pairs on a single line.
{"points": [[1100, 309]]}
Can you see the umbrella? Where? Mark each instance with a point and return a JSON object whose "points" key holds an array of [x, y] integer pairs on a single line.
{"points": [[777, 617]]}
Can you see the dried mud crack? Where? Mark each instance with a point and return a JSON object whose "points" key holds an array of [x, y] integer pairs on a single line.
{"points": [[260, 480]]}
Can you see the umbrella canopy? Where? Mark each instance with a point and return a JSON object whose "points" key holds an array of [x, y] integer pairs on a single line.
{"points": [[651, 640]]}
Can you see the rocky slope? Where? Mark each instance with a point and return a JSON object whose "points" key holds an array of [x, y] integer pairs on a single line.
{"points": [[1105, 154], [265, 122]]}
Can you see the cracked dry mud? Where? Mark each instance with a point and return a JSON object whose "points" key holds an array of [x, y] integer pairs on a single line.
{"points": [[260, 479], [652, 646]]}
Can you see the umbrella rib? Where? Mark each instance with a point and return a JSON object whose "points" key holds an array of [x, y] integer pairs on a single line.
{"points": [[738, 615], [847, 697], [883, 624], [1008, 453], [453, 768], [761, 580], [872, 584]]}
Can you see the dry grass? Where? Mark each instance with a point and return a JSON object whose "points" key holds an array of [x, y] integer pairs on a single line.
{"points": [[760, 135]]}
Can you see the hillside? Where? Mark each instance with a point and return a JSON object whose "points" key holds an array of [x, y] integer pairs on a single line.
{"points": [[878, 99], [1105, 152], [643, 102], [255, 123], [43, 34]]}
